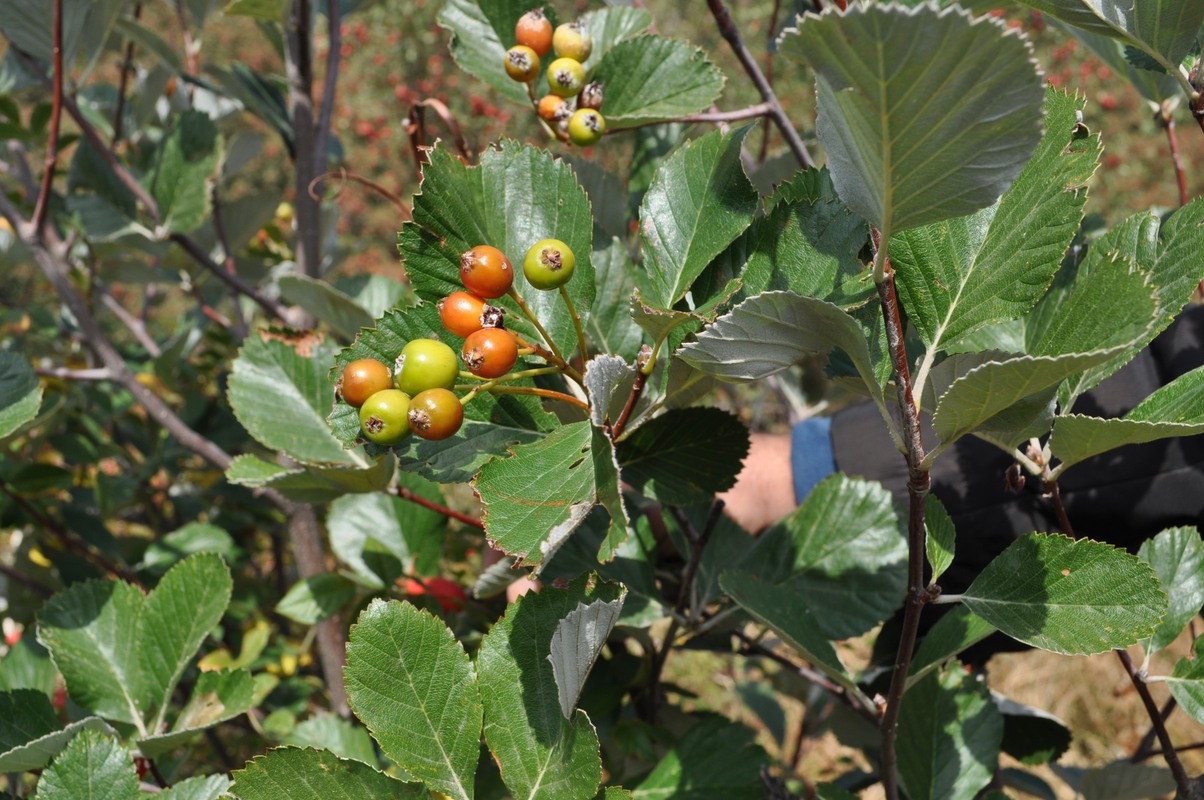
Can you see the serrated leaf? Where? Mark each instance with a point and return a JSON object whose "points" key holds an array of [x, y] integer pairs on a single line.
{"points": [[410, 533], [217, 696], [1068, 596], [790, 617], [715, 758], [411, 683], [1177, 557], [206, 787], [608, 380], [38, 752], [575, 647], [699, 201], [957, 276], [539, 752], [91, 630], [195, 537], [184, 164], [768, 333], [327, 304], [343, 737], [313, 599], [20, 393], [293, 773], [311, 483], [537, 497], [282, 398], [684, 456], [652, 78], [176, 617], [94, 766], [842, 552], [949, 737], [952, 633], [1166, 29], [610, 328], [1030, 735], [941, 541], [925, 114], [516, 197]]}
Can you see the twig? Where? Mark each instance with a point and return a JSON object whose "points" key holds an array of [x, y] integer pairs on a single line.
{"points": [[56, 117], [1181, 749], [133, 324], [154, 769], [1168, 748], [351, 176], [918, 484], [67, 374], [299, 69], [127, 63], [773, 29], [717, 117], [192, 61], [407, 494], [1168, 124], [549, 394], [637, 389], [334, 57], [568, 301], [729, 31], [1055, 497], [223, 240], [230, 279], [26, 581]]}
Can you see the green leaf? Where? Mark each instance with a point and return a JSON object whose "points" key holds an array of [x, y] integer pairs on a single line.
{"points": [[195, 537], [216, 697], [206, 787], [327, 304], [1155, 87], [27, 665], [1075, 597], [1177, 557], [949, 737], [995, 388], [37, 753], [185, 163], [773, 331], [959, 275], [575, 647], [842, 552], [176, 617], [952, 633], [517, 196], [941, 541], [610, 328], [410, 533], [698, 203], [925, 114], [20, 393], [1030, 735], [540, 753], [293, 773], [411, 683], [28, 715], [94, 766], [142, 36], [86, 25], [91, 629], [1166, 29], [266, 10], [1187, 682], [537, 497], [311, 483], [790, 617], [685, 456], [345, 738], [715, 758], [282, 397], [651, 78], [313, 599], [1176, 409]]}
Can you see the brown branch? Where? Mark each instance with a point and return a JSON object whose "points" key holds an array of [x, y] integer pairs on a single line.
{"points": [[729, 31], [1055, 497], [231, 279], [637, 389], [299, 69], [407, 494], [330, 82], [56, 117], [918, 484], [133, 324], [1168, 748], [1167, 122], [127, 63]]}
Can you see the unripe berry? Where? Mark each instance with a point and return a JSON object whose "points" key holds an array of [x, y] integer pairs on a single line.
{"points": [[571, 40], [522, 63], [549, 264], [565, 77], [384, 417], [586, 126], [426, 364]]}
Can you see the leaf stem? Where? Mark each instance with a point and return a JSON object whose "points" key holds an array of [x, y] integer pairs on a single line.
{"points": [[637, 389], [56, 116], [568, 301], [407, 494], [550, 394], [1167, 122]]}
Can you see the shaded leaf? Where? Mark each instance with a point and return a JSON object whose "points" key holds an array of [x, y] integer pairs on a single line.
{"points": [[311, 483], [1030, 735], [575, 647], [20, 393], [327, 304], [684, 456], [1177, 556], [952, 633], [185, 162], [715, 758], [313, 599], [361, 526]]}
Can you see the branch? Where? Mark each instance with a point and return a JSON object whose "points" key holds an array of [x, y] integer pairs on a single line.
{"points": [[127, 62], [407, 494], [334, 56], [1167, 122], [56, 117], [637, 389], [201, 257], [67, 374], [298, 61], [729, 31], [717, 117], [1168, 748], [134, 325]]}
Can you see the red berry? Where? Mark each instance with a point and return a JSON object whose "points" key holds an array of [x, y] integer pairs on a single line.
{"points": [[486, 272], [436, 414], [534, 30], [361, 379], [490, 352], [447, 594]]}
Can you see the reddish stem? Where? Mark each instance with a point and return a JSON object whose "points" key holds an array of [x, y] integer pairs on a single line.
{"points": [[406, 494], [56, 116], [1168, 124]]}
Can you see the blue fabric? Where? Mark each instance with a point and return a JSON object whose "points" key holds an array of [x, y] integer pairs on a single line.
{"points": [[811, 454]]}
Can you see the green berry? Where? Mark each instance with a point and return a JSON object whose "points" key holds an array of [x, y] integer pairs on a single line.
{"points": [[383, 417], [565, 77], [549, 264], [586, 126], [426, 364]]}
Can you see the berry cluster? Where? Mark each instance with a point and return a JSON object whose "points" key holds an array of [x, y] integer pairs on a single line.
{"points": [[417, 395], [572, 107]]}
